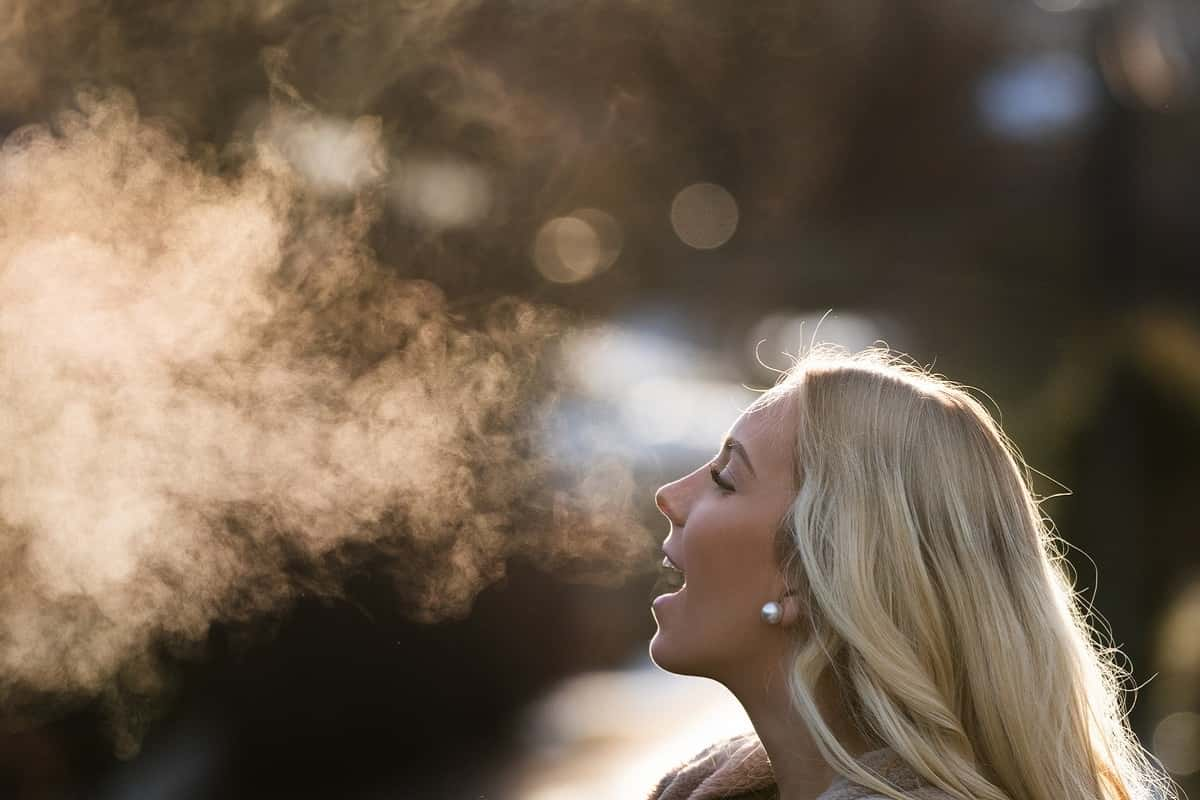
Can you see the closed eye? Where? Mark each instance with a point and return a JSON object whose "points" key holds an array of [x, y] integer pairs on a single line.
{"points": [[716, 476]]}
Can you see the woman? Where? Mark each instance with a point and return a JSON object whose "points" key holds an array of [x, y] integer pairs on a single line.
{"points": [[867, 570]]}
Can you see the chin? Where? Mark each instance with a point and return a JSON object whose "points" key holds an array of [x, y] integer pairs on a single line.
{"points": [[665, 659], [659, 653]]}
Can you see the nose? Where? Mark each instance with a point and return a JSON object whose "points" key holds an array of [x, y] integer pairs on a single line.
{"points": [[663, 498]]}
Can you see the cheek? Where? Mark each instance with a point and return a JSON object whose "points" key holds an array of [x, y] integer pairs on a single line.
{"points": [[732, 560], [730, 579], [739, 562]]}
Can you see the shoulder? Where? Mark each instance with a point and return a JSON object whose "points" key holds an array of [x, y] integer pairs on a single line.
{"points": [[736, 767]]}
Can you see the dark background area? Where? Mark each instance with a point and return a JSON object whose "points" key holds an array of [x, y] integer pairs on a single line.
{"points": [[1008, 189]]}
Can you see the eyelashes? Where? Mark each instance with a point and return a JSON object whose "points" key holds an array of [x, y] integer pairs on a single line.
{"points": [[715, 471], [716, 477]]}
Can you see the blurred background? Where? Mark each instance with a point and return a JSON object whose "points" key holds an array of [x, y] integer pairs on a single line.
{"points": [[1008, 190]]}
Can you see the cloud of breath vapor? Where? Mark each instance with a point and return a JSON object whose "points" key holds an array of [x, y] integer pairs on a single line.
{"points": [[209, 386]]}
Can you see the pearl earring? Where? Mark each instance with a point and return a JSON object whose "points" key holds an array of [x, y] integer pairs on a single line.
{"points": [[772, 612]]}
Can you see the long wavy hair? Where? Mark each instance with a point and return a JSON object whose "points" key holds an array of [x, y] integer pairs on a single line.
{"points": [[938, 595]]}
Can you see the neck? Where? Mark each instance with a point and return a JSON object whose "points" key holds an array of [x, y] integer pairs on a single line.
{"points": [[801, 773]]}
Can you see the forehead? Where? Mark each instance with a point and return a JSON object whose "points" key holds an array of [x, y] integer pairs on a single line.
{"points": [[767, 433]]}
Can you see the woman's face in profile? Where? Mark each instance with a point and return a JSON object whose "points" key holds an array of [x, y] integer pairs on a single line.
{"points": [[724, 517]]}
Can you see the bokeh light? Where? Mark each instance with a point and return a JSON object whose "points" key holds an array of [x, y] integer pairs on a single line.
{"points": [[790, 332], [704, 216], [664, 390], [578, 246], [1179, 632], [606, 359], [1149, 57], [644, 720], [336, 156], [683, 411], [1036, 96], [442, 192], [1148, 70], [1177, 742]]}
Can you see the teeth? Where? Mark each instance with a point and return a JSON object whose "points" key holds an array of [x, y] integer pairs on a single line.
{"points": [[669, 564]]}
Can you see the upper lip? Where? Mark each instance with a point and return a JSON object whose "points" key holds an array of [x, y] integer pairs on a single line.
{"points": [[674, 561]]}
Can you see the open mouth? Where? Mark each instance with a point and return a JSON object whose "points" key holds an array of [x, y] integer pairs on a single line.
{"points": [[671, 579]]}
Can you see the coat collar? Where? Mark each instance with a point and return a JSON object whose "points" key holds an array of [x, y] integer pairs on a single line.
{"points": [[739, 766]]}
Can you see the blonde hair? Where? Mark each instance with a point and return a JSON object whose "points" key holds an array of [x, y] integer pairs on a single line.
{"points": [[938, 597]]}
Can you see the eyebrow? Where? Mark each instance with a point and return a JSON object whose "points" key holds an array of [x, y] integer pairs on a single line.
{"points": [[736, 446]]}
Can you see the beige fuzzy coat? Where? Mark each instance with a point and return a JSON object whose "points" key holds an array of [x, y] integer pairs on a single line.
{"points": [[738, 769]]}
